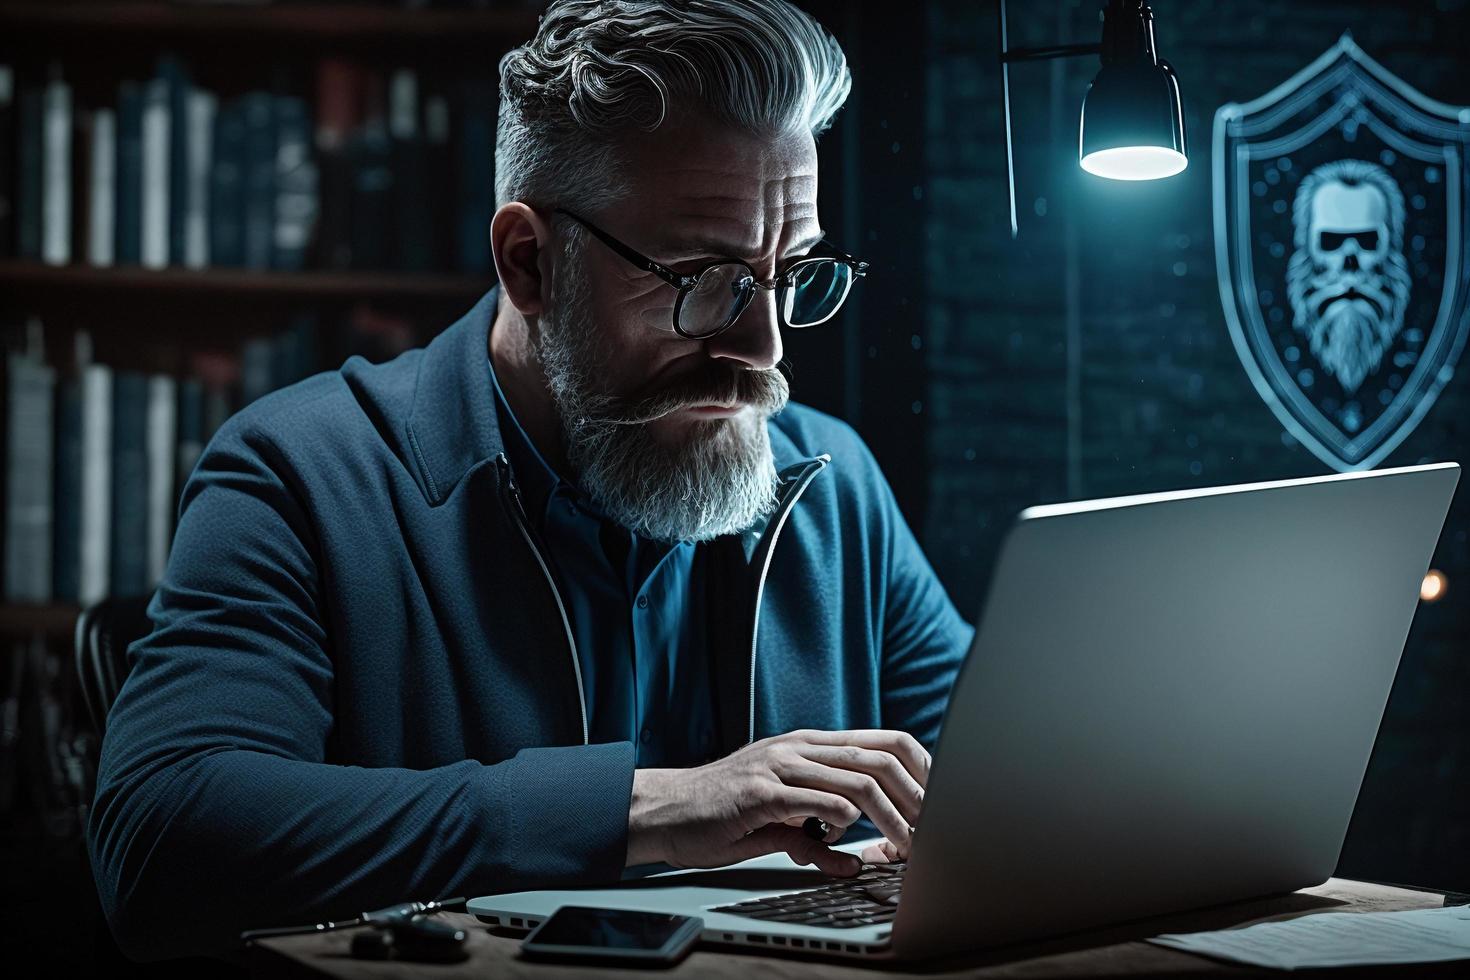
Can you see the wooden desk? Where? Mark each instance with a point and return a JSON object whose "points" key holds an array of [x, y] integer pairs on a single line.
{"points": [[1116, 951]]}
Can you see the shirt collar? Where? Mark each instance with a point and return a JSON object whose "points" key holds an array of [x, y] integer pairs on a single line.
{"points": [[538, 479]]}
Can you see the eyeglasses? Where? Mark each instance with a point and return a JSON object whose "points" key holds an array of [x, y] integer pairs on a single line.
{"points": [[809, 292]]}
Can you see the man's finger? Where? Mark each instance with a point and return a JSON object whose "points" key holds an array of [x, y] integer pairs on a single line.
{"points": [[901, 745], [775, 838], [907, 795], [883, 852], [858, 787], [793, 804]]}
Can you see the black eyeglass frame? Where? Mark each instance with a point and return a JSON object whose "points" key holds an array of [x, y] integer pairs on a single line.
{"points": [[685, 284]]}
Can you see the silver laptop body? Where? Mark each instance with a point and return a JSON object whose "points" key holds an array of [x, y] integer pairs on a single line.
{"points": [[1170, 703]]}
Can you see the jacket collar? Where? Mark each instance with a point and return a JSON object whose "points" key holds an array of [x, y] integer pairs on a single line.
{"points": [[452, 423]]}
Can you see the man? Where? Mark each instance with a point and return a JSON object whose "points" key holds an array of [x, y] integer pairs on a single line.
{"points": [[572, 589]]}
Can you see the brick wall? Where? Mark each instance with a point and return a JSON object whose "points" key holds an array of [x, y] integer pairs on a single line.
{"points": [[1090, 357]]}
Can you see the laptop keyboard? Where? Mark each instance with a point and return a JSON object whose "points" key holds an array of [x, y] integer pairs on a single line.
{"points": [[869, 899]]}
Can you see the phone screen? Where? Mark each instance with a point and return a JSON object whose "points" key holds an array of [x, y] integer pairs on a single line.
{"points": [[608, 929]]}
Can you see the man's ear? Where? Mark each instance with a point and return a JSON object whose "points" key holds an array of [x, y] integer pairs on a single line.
{"points": [[520, 241]]}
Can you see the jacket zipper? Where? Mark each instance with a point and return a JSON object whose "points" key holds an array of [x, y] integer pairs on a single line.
{"points": [[763, 554], [524, 525]]}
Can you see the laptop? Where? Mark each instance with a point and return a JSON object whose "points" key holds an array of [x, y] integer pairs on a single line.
{"points": [[1170, 703]]}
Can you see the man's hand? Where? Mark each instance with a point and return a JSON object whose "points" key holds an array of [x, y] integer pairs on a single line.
{"points": [[754, 801]]}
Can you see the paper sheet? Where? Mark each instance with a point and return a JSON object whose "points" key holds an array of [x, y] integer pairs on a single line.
{"points": [[1338, 939]]}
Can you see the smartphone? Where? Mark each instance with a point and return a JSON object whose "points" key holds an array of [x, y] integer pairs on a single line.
{"points": [[574, 932]]}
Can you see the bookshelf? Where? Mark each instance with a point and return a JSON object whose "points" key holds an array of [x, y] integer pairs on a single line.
{"points": [[143, 317], [297, 24], [37, 281]]}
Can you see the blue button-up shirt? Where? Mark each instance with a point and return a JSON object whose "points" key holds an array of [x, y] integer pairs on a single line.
{"points": [[637, 612]]}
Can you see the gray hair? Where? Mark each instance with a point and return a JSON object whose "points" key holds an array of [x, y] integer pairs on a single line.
{"points": [[599, 70]]}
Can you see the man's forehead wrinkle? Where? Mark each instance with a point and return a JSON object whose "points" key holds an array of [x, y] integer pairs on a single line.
{"points": [[737, 237]]}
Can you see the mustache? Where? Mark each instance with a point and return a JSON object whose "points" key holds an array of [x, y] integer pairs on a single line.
{"points": [[765, 390], [1326, 290]]}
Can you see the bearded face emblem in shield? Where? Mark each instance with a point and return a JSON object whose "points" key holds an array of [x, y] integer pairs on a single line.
{"points": [[1347, 281], [1342, 199]]}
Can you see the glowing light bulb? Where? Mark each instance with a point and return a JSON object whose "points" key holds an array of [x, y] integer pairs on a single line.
{"points": [[1434, 586], [1135, 162]]}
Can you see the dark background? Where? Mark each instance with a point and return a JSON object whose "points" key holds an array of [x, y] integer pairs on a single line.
{"points": [[1087, 358], [1090, 357]]}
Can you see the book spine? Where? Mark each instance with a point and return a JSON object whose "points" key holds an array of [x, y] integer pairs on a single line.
{"points": [[476, 177], [176, 80], [260, 178], [338, 87], [95, 511], [156, 183], [56, 175], [256, 364], [191, 431], [227, 188], [413, 238], [371, 211], [28, 473], [102, 188], [129, 572], [201, 111], [28, 196], [160, 437], [66, 561], [8, 152], [128, 197], [296, 192], [439, 180]]}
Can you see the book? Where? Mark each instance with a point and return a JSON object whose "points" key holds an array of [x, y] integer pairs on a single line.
{"points": [[102, 189], [80, 191], [439, 182], [256, 362], [95, 503], [129, 559], [8, 139], [191, 431], [227, 188], [56, 174], [412, 234], [260, 178], [296, 203], [175, 79], [370, 162], [156, 183], [29, 433], [476, 176], [160, 446], [128, 197], [338, 89], [66, 551], [30, 137], [198, 162]]}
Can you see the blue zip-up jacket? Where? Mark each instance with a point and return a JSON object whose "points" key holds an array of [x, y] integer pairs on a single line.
{"points": [[360, 689]]}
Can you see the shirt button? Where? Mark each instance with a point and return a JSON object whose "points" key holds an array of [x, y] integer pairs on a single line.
{"points": [[643, 602], [646, 735]]}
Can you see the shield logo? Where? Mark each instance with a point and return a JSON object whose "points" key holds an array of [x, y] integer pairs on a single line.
{"points": [[1341, 200]]}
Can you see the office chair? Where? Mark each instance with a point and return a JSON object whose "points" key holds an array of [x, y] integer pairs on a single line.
{"points": [[103, 633]]}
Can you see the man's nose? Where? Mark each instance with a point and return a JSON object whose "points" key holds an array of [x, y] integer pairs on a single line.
{"points": [[1350, 261], [753, 340]]}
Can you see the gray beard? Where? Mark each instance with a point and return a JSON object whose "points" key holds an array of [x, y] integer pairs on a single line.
{"points": [[1349, 340], [720, 480], [1347, 335]]}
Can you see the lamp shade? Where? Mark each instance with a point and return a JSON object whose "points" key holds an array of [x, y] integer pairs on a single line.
{"points": [[1133, 122]]}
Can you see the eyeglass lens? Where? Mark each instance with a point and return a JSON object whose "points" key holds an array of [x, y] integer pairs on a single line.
{"points": [[725, 290]]}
